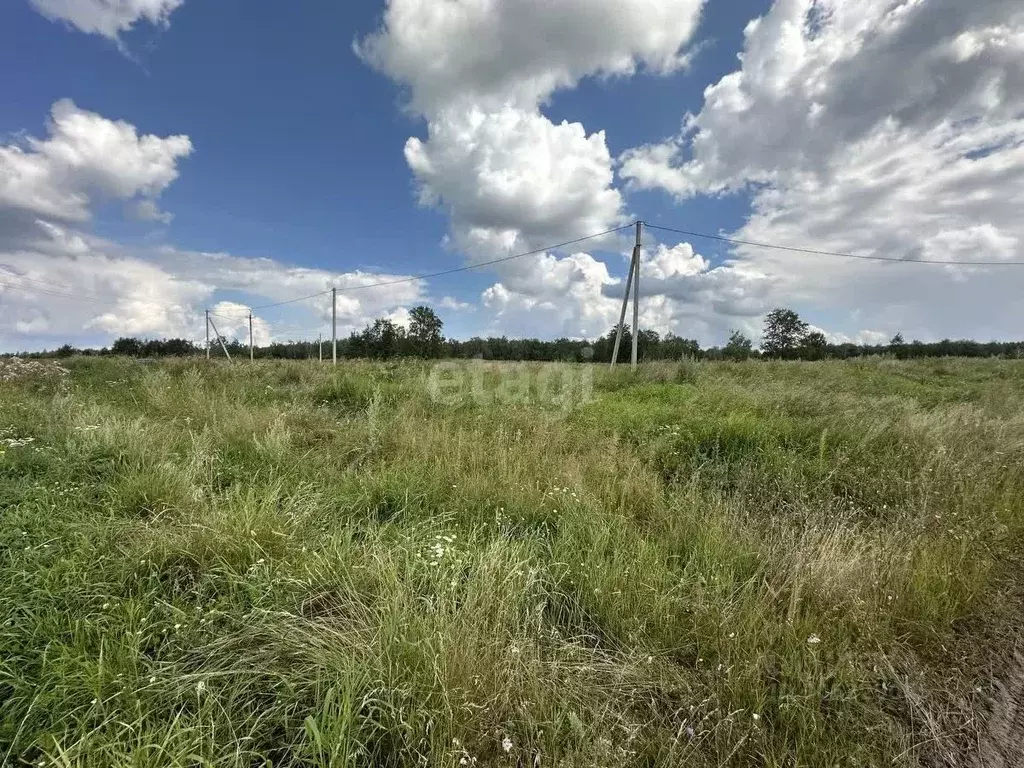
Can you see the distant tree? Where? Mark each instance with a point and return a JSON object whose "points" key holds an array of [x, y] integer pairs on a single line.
{"points": [[896, 341], [813, 346], [739, 347], [383, 339], [783, 332], [424, 335], [647, 344], [625, 345], [677, 348], [126, 346]]}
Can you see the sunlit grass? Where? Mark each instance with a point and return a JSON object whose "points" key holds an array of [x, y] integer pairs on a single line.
{"points": [[702, 564]]}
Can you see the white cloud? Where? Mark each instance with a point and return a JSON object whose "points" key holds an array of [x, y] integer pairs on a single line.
{"points": [[64, 286], [491, 53], [889, 127], [450, 302], [147, 210], [58, 282], [550, 296], [509, 178], [85, 160], [108, 18], [512, 180], [575, 296]]}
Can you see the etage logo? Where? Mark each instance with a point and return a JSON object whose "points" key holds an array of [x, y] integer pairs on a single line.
{"points": [[558, 386]]}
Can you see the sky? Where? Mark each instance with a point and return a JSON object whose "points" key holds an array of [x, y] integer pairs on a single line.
{"points": [[159, 158]]}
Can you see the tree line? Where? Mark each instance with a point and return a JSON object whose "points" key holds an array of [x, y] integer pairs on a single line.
{"points": [[785, 337]]}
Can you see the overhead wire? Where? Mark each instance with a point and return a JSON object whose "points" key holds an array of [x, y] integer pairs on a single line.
{"points": [[813, 251], [32, 289], [478, 265], [442, 273]]}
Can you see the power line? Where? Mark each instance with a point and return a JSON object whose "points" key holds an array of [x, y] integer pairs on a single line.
{"points": [[65, 292], [868, 257], [452, 271], [79, 297], [31, 289], [291, 301], [11, 272], [487, 263]]}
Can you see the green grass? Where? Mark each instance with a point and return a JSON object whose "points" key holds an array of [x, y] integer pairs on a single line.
{"points": [[286, 564]]}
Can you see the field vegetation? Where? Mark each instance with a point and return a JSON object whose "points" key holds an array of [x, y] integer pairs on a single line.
{"points": [[287, 564]]}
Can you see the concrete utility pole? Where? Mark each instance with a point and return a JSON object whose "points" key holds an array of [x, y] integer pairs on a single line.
{"points": [[632, 282], [320, 345], [250, 338], [636, 297], [219, 338], [334, 326], [207, 334]]}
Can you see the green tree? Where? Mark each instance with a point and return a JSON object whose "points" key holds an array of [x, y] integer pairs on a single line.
{"points": [[783, 333], [127, 345], [425, 332], [739, 347], [813, 346]]}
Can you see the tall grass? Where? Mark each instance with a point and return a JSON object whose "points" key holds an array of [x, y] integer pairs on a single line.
{"points": [[291, 565]]}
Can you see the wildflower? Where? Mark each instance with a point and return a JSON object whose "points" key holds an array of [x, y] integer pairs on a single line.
{"points": [[756, 716], [506, 744], [813, 640]]}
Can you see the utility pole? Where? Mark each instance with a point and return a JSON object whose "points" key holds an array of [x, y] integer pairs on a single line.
{"points": [[250, 338], [334, 325], [632, 282], [320, 345], [219, 338], [636, 297], [207, 334]]}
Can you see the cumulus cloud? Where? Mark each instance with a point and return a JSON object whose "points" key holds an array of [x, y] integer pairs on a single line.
{"points": [[59, 282], [108, 18], [491, 53], [87, 159], [575, 296], [64, 286], [479, 72], [553, 296], [513, 180], [889, 127]]}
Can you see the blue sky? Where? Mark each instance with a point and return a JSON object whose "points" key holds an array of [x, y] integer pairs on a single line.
{"points": [[298, 155]]}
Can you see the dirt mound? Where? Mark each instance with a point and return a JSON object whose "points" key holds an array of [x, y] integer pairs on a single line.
{"points": [[13, 368]]}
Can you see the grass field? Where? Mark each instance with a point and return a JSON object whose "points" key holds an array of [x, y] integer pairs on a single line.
{"points": [[782, 564]]}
